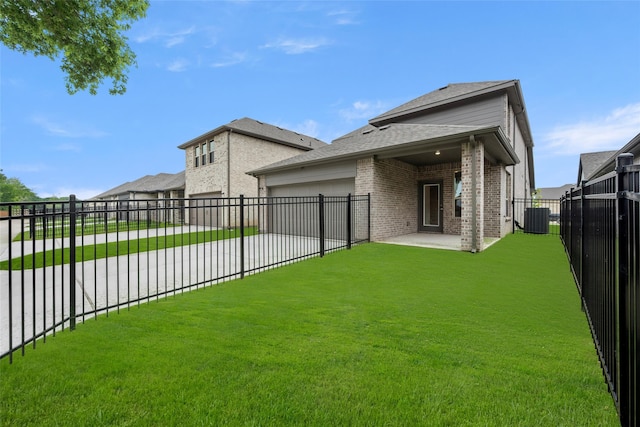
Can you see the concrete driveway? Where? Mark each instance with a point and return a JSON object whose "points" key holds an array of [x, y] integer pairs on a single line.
{"points": [[101, 285]]}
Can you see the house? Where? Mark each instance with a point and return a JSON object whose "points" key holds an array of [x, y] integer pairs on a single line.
{"points": [[450, 162], [217, 162], [159, 190], [590, 162], [609, 164]]}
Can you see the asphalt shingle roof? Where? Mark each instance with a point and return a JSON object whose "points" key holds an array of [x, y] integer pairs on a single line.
{"points": [[147, 184], [590, 162], [450, 93], [262, 130], [370, 140]]}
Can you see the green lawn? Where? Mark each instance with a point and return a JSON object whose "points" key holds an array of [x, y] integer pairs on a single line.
{"points": [[123, 247], [379, 335]]}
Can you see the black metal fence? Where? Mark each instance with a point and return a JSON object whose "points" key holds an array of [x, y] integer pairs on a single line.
{"points": [[536, 216], [66, 262], [600, 229]]}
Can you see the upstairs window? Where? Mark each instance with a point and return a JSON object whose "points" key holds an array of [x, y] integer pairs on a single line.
{"points": [[204, 154], [197, 156], [211, 150], [457, 191]]}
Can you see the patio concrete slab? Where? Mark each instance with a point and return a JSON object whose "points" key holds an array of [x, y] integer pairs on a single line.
{"points": [[433, 240]]}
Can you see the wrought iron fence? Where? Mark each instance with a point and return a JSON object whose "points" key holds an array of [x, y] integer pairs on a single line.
{"points": [[600, 229], [536, 216], [61, 263]]}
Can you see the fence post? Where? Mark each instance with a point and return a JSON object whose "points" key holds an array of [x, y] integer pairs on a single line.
{"points": [[242, 236], [321, 222], [624, 301], [349, 221], [368, 217], [72, 262]]}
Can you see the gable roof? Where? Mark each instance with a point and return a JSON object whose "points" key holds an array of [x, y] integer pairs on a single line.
{"points": [[460, 92], [265, 131], [147, 184], [590, 162], [609, 164], [554, 193], [393, 140]]}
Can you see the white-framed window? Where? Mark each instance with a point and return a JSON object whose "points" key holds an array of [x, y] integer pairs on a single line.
{"points": [[211, 151], [196, 159], [203, 156], [508, 193], [457, 194]]}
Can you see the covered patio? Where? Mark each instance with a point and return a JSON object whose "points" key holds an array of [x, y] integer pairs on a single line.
{"points": [[433, 240]]}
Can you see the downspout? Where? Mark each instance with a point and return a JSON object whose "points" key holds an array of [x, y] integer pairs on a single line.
{"points": [[513, 178], [474, 242], [229, 176]]}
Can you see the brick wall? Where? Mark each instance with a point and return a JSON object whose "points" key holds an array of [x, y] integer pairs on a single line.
{"points": [[246, 153], [444, 172], [468, 222]]}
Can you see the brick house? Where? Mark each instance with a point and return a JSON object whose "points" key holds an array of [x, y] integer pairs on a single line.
{"points": [[217, 161], [163, 190], [450, 162]]}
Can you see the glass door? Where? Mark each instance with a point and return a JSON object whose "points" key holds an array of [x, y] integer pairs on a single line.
{"points": [[430, 203]]}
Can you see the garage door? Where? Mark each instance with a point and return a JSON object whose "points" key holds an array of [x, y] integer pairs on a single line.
{"points": [[301, 217], [204, 210], [337, 187]]}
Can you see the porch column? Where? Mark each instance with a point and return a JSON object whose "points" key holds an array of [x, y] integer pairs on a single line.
{"points": [[472, 226]]}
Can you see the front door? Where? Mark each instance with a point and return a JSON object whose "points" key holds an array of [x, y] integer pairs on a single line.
{"points": [[430, 206]]}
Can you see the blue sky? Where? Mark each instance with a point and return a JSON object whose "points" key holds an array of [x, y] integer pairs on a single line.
{"points": [[323, 69]]}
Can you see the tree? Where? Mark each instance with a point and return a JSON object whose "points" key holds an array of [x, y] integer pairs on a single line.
{"points": [[12, 190], [87, 34]]}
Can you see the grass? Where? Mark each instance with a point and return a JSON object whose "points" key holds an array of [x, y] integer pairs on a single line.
{"points": [[379, 335], [59, 227], [123, 247]]}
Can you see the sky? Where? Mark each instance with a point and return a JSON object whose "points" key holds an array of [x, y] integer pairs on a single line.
{"points": [[321, 69]]}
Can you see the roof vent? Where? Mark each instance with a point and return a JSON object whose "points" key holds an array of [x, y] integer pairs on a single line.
{"points": [[366, 131], [444, 87], [384, 127]]}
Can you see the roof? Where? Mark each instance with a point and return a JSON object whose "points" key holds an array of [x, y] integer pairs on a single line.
{"points": [[590, 162], [609, 164], [554, 193], [147, 184], [444, 96], [265, 131], [394, 139]]}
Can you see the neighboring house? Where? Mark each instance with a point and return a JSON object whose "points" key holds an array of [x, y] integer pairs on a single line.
{"points": [[217, 161], [151, 190], [550, 198], [450, 162], [609, 164], [590, 162]]}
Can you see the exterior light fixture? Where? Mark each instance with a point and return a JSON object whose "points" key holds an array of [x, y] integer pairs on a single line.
{"points": [[437, 152]]}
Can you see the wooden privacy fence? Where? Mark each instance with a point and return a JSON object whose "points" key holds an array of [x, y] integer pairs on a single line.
{"points": [[600, 229]]}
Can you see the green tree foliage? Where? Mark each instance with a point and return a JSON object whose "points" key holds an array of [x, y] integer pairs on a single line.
{"points": [[86, 34], [12, 190]]}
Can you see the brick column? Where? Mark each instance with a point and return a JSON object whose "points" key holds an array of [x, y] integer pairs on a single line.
{"points": [[472, 218]]}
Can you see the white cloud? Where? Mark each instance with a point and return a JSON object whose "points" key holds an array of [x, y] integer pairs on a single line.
{"points": [[178, 65], [233, 59], [600, 134], [308, 127], [67, 147], [297, 46], [343, 17], [68, 129], [363, 110], [168, 38]]}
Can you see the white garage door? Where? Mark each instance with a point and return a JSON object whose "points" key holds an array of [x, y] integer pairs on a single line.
{"points": [[301, 217], [337, 187]]}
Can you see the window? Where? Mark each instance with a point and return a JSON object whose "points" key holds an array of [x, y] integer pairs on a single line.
{"points": [[457, 191], [204, 154], [211, 149], [197, 156]]}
